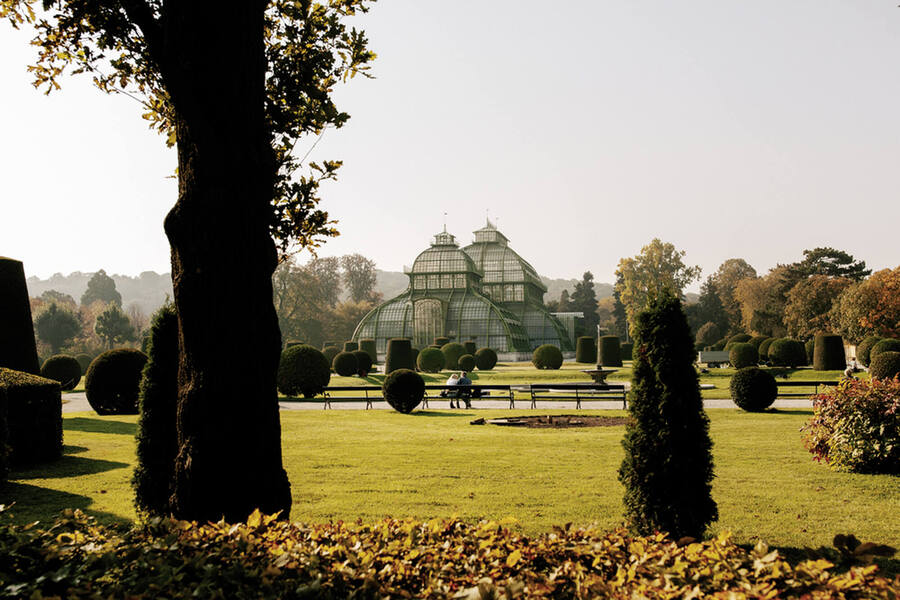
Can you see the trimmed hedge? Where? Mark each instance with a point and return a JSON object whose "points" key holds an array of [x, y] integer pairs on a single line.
{"points": [[403, 389], [887, 345], [864, 348], [610, 351], [586, 350], [470, 346], [485, 359], [4, 438], [466, 363], [763, 349], [743, 354], [885, 365], [363, 362], [452, 351], [33, 417], [756, 340], [64, 369], [345, 364], [112, 382], [350, 346], [18, 350], [157, 437], [784, 352], [828, 354], [303, 370], [330, 352], [84, 361], [430, 360], [547, 356], [753, 389], [440, 341], [399, 355], [414, 356], [369, 346], [810, 347], [739, 337], [626, 351]]}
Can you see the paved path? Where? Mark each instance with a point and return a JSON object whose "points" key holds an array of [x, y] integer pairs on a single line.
{"points": [[77, 402]]}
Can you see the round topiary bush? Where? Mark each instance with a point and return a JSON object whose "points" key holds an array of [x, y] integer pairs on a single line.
{"points": [[345, 364], [784, 352], [399, 355], [739, 337], [742, 355], [470, 347], [84, 361], [547, 356], [403, 389], [610, 351], [888, 345], [64, 369], [452, 351], [369, 346], [485, 359], [586, 350], [885, 365], [763, 349], [626, 351], [303, 371], [466, 363], [828, 353], [440, 341], [430, 360], [864, 348], [113, 381], [330, 352], [363, 362], [719, 346], [753, 389], [350, 346], [756, 340]]}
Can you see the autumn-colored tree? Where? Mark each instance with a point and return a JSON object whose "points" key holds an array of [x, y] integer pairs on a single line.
{"points": [[724, 281], [871, 307], [809, 303], [304, 295], [762, 302], [234, 85], [359, 276], [658, 267]]}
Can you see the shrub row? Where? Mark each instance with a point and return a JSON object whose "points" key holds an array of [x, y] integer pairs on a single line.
{"points": [[266, 558]]}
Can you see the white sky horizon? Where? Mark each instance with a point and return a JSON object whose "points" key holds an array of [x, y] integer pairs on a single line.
{"points": [[731, 129]]}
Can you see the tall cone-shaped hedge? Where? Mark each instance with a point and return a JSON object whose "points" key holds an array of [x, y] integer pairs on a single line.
{"points": [[609, 351], [668, 469], [585, 350], [828, 352], [18, 350], [399, 355], [157, 439]]}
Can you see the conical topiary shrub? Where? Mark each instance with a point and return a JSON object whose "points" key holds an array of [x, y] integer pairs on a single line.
{"points": [[610, 352], [828, 353], [157, 438], [667, 469], [585, 350], [369, 346], [350, 346], [18, 350], [470, 346], [399, 355]]}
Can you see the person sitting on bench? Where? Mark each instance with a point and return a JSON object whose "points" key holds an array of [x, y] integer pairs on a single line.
{"points": [[466, 394], [452, 394]]}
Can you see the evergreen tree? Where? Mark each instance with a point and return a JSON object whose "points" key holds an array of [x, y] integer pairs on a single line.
{"points": [[565, 303], [56, 326], [113, 326], [101, 287], [667, 469], [584, 299], [157, 440]]}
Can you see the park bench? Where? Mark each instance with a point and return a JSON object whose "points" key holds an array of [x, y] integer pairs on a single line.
{"points": [[363, 393], [577, 392], [796, 384], [467, 393]]}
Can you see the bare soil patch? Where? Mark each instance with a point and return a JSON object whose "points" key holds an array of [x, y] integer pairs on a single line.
{"points": [[553, 421]]}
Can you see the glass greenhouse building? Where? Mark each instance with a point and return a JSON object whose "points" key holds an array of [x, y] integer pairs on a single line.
{"points": [[484, 292]]}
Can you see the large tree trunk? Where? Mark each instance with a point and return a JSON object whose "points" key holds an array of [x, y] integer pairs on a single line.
{"points": [[229, 434]]}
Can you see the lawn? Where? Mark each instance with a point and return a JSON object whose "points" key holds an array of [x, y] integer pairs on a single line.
{"points": [[347, 464]]}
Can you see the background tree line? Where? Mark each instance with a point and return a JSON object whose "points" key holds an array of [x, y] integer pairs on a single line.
{"points": [[308, 297]]}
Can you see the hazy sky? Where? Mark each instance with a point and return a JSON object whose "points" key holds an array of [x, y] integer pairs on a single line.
{"points": [[586, 128]]}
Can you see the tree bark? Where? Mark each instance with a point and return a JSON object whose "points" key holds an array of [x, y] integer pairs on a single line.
{"points": [[229, 433]]}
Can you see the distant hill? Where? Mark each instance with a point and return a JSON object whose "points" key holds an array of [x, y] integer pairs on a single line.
{"points": [[148, 290]]}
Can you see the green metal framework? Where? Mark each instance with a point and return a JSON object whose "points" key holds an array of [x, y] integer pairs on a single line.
{"points": [[445, 298]]}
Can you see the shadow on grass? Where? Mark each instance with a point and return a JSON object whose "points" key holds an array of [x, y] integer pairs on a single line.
{"points": [[35, 503], [74, 449], [67, 466], [432, 413], [99, 426]]}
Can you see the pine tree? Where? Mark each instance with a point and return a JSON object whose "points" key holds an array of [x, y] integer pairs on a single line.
{"points": [[668, 468], [584, 299], [101, 287]]}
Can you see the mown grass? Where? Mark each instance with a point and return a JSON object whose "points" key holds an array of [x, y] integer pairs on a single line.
{"points": [[368, 464]]}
